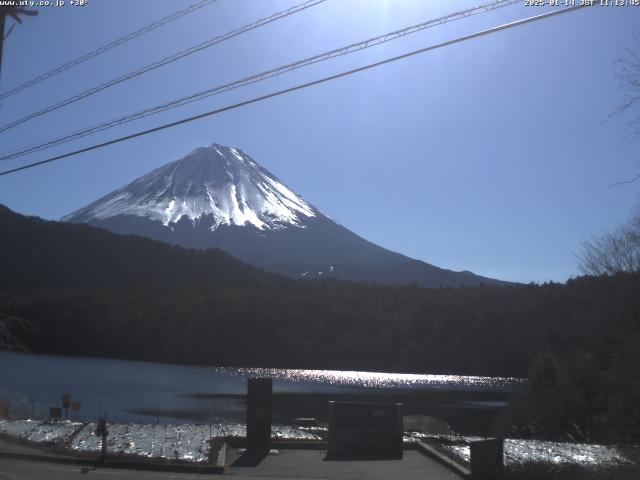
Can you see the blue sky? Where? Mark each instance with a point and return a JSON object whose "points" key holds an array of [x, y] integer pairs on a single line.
{"points": [[494, 155]]}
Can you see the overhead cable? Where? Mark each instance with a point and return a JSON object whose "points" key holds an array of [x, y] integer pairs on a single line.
{"points": [[299, 87], [354, 47], [162, 62], [98, 51]]}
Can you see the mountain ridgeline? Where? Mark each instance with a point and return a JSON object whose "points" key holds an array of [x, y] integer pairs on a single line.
{"points": [[220, 197], [36, 254]]}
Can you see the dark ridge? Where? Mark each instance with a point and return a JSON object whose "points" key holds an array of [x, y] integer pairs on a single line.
{"points": [[39, 254]]}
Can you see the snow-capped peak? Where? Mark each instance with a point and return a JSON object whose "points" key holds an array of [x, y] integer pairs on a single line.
{"points": [[217, 180]]}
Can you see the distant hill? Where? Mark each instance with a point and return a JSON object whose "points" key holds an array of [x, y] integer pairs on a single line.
{"points": [[38, 254]]}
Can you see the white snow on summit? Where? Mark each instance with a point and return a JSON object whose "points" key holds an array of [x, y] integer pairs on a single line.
{"points": [[216, 180]]}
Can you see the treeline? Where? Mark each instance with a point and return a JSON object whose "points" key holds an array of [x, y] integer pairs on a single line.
{"points": [[476, 330]]}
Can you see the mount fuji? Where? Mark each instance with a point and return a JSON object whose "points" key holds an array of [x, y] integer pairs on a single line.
{"points": [[218, 196]]}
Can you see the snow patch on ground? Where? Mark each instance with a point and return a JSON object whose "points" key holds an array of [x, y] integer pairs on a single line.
{"points": [[521, 451], [49, 432], [190, 443], [182, 442]]}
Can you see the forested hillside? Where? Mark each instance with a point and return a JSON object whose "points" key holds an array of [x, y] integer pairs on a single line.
{"points": [[38, 254], [476, 330]]}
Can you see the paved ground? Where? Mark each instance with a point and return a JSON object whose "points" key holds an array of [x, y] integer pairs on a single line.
{"points": [[25, 470], [300, 464], [288, 464], [17, 447], [310, 464]]}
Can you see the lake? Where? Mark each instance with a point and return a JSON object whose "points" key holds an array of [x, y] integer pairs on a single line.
{"points": [[146, 392]]}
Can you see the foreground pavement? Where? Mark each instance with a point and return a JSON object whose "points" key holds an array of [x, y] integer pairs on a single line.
{"points": [[310, 464], [21, 461], [300, 464], [11, 469]]}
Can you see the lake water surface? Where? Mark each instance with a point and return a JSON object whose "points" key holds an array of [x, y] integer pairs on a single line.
{"points": [[146, 392]]}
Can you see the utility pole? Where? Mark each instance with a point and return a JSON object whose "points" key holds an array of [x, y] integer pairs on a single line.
{"points": [[13, 11]]}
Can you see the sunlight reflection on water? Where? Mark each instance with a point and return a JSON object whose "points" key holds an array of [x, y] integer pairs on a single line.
{"points": [[353, 378]]}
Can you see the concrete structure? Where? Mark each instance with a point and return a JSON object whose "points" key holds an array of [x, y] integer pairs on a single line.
{"points": [[487, 459], [259, 399], [365, 430]]}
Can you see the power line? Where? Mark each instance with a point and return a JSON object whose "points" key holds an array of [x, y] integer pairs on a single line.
{"points": [[301, 86], [107, 47], [165, 61], [371, 42]]}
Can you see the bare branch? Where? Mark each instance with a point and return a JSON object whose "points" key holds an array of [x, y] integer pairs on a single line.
{"points": [[614, 252], [624, 182]]}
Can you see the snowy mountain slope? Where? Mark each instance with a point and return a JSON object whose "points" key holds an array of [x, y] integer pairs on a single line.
{"points": [[219, 181], [218, 196]]}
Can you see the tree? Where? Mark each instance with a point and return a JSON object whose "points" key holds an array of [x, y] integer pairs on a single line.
{"points": [[613, 252], [13, 11], [629, 77], [619, 251], [628, 74]]}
